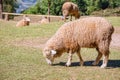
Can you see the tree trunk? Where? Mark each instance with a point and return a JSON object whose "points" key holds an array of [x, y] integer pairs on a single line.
{"points": [[1, 9], [49, 10]]}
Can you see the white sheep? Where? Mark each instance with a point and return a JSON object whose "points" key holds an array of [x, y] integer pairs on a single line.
{"points": [[44, 20], [91, 32], [70, 8], [24, 22]]}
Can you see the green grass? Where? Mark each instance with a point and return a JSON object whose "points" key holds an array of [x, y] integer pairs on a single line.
{"points": [[114, 20], [9, 30], [28, 63]]}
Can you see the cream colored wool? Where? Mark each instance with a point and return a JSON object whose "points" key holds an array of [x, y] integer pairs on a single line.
{"points": [[24, 22], [91, 32], [70, 8]]}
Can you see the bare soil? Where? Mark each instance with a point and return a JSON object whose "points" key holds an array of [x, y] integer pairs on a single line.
{"points": [[115, 43]]}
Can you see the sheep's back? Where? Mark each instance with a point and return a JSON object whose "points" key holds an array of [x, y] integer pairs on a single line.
{"points": [[86, 32], [67, 6]]}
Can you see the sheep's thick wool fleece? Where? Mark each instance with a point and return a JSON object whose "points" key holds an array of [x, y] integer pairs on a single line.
{"points": [[85, 32]]}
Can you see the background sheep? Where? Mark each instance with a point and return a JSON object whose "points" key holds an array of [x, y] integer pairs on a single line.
{"points": [[24, 22], [70, 8], [44, 20], [93, 32]]}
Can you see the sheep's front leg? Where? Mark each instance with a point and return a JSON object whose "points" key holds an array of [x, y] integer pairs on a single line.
{"points": [[105, 60], [69, 59], [80, 58]]}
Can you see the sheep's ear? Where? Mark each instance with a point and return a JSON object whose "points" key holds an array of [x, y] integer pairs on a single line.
{"points": [[53, 52]]}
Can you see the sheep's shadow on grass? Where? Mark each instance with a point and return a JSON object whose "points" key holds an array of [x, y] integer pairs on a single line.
{"points": [[111, 63]]}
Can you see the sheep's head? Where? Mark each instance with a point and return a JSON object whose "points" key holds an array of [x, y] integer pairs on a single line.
{"points": [[77, 16], [49, 54], [65, 13]]}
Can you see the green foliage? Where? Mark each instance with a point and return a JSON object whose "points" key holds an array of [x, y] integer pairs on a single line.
{"points": [[42, 7], [82, 5], [114, 3], [8, 5], [85, 6], [55, 9], [33, 10]]}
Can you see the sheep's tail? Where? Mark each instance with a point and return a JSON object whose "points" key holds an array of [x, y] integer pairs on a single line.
{"points": [[112, 30]]}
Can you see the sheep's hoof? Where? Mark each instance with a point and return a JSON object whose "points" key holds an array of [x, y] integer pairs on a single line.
{"points": [[68, 64], [103, 66]]}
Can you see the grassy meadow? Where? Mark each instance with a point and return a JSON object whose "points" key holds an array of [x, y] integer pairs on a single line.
{"points": [[21, 58]]}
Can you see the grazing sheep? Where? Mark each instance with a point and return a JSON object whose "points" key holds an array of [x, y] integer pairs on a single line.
{"points": [[70, 8], [44, 20], [24, 22], [91, 32]]}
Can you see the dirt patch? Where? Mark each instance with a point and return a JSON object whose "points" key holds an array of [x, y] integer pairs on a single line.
{"points": [[117, 30], [35, 43], [40, 42], [115, 43]]}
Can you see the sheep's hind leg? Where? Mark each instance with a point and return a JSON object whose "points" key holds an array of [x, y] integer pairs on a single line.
{"points": [[69, 59], [98, 57], [104, 49], [105, 60], [80, 58]]}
